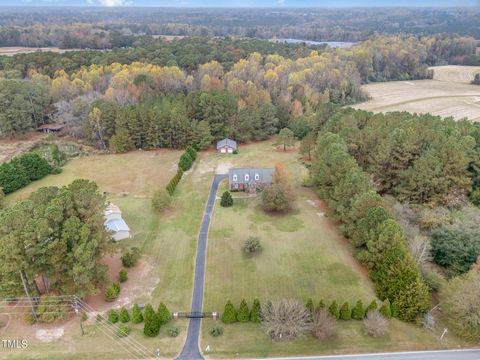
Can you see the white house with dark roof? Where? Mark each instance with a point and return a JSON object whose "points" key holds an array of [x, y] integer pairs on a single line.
{"points": [[249, 179], [115, 224], [226, 146]]}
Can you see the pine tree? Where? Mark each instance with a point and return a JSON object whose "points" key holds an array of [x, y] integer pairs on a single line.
{"points": [[321, 305], [152, 324], [309, 305], [385, 309], [124, 315], [137, 316], [357, 311], [243, 313], [371, 307], [229, 315], [112, 316], [227, 199], [163, 314], [345, 313], [255, 313], [333, 309]]}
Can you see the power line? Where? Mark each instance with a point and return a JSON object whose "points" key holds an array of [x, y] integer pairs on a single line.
{"points": [[131, 343]]}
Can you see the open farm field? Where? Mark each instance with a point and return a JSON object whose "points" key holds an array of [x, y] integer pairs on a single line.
{"points": [[14, 50], [455, 73], [448, 94]]}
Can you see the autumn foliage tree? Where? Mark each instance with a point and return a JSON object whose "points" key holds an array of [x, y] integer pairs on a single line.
{"points": [[279, 196]]}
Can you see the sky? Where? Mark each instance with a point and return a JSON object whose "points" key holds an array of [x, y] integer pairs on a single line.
{"points": [[241, 3]]}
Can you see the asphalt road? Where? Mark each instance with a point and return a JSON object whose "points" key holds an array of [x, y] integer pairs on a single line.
{"points": [[468, 354], [191, 349]]}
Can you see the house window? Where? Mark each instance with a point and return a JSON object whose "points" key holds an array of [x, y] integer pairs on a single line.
{"points": [[247, 177], [235, 177], [257, 177]]}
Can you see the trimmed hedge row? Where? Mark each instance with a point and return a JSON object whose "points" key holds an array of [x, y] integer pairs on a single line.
{"points": [[184, 164], [22, 170], [378, 238], [232, 315]]}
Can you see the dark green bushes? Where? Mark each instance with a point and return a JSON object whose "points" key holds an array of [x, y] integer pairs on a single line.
{"points": [[112, 292], [22, 170]]}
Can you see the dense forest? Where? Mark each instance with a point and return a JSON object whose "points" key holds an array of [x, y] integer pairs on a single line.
{"points": [[186, 53], [225, 100], [99, 28]]}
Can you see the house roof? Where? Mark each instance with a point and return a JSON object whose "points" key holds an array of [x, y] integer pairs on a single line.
{"points": [[54, 127], [266, 174], [112, 209], [227, 142], [116, 225]]}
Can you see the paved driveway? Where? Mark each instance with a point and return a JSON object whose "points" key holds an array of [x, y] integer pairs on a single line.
{"points": [[191, 347]]}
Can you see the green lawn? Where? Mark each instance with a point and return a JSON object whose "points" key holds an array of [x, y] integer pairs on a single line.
{"points": [[303, 256], [250, 340]]}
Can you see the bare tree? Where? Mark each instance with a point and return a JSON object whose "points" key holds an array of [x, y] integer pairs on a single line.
{"points": [[324, 325], [285, 319], [375, 324]]}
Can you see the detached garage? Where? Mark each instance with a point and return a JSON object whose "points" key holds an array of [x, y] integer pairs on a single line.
{"points": [[226, 146]]}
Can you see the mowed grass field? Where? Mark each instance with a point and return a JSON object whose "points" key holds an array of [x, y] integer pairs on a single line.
{"points": [[448, 94]]}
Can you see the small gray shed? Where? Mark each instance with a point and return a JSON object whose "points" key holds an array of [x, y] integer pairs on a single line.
{"points": [[226, 146]]}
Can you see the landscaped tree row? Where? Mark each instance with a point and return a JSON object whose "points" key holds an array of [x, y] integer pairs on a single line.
{"points": [[22, 170], [345, 312], [184, 164], [57, 234], [378, 238], [417, 158]]}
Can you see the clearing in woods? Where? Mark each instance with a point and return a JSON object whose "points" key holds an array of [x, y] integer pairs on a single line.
{"points": [[448, 94]]}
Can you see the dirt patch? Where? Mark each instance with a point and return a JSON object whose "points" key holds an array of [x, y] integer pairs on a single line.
{"points": [[49, 335], [223, 167], [4, 322], [10, 148], [140, 283]]}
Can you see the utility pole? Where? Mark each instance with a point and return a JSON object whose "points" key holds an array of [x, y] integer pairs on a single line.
{"points": [[77, 311], [25, 287]]}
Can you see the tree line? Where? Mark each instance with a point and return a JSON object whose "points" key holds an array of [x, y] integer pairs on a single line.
{"points": [[252, 87], [101, 28], [187, 53], [57, 234], [416, 158], [378, 239]]}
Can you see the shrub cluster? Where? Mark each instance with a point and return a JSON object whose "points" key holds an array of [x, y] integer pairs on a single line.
{"points": [[231, 315], [130, 258], [187, 159], [172, 185], [226, 200], [122, 275], [22, 170], [153, 321], [112, 292], [379, 239]]}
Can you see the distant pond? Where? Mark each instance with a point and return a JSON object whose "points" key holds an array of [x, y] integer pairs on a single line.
{"points": [[334, 44]]}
